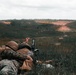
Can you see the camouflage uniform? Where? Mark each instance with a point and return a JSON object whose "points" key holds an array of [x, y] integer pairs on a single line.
{"points": [[8, 67], [12, 60]]}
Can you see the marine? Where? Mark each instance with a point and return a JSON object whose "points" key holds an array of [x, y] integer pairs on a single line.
{"points": [[14, 57]]}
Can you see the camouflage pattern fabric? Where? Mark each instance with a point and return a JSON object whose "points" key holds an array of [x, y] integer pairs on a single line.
{"points": [[8, 67]]}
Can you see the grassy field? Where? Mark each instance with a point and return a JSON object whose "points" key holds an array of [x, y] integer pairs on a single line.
{"points": [[52, 44]]}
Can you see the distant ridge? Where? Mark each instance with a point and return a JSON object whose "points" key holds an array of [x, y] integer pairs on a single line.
{"points": [[61, 22], [54, 22], [5, 22]]}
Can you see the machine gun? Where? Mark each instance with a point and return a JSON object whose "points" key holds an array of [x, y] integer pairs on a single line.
{"points": [[34, 50]]}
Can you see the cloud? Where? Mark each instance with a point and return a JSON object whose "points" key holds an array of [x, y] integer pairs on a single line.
{"points": [[30, 9]]}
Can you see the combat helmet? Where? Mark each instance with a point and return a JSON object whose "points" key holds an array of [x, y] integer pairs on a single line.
{"points": [[13, 45]]}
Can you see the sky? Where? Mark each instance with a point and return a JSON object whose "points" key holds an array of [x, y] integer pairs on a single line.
{"points": [[37, 9]]}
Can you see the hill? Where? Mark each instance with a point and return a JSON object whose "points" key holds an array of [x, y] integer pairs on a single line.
{"points": [[24, 28], [56, 39]]}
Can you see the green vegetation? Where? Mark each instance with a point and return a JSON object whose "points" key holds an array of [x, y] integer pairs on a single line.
{"points": [[54, 45], [72, 25], [24, 28]]}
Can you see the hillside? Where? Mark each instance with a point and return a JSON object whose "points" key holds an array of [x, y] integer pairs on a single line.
{"points": [[64, 28], [72, 24], [55, 22], [35, 28], [55, 39], [24, 28]]}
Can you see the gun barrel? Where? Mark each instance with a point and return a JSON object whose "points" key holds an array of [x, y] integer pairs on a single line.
{"points": [[33, 45]]}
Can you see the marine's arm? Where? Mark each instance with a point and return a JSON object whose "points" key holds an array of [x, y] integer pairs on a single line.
{"points": [[10, 54]]}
